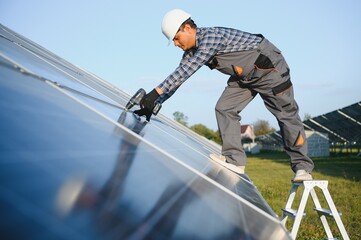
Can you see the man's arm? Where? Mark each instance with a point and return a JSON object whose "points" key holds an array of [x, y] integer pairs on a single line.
{"points": [[186, 69], [190, 63]]}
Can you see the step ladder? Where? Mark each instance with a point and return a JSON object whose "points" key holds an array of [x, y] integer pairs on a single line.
{"points": [[309, 188]]}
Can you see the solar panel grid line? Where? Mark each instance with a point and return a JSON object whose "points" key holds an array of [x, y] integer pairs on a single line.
{"points": [[327, 130], [28, 71], [48, 53], [343, 123], [52, 56], [214, 146], [53, 81], [313, 127], [339, 124], [226, 190], [112, 88], [190, 133], [23, 41], [194, 149], [53, 61], [15, 64], [44, 54], [105, 88], [334, 121], [89, 96], [194, 137], [38, 56], [56, 58], [60, 69], [353, 109], [349, 117], [178, 140], [23, 38]]}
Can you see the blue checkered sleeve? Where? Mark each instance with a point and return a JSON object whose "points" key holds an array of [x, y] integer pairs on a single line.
{"points": [[189, 64]]}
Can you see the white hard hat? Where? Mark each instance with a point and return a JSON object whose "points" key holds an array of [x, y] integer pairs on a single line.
{"points": [[172, 20]]}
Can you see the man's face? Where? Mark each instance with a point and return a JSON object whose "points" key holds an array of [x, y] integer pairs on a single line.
{"points": [[186, 38]]}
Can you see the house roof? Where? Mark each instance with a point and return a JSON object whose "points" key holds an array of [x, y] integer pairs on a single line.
{"points": [[244, 128]]}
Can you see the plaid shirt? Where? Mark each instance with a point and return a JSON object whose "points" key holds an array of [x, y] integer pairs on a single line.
{"points": [[209, 42]]}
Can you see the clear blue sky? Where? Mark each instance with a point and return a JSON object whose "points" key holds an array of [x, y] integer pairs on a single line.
{"points": [[123, 44]]}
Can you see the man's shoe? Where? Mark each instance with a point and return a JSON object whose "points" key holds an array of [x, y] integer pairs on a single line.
{"points": [[302, 175], [222, 160]]}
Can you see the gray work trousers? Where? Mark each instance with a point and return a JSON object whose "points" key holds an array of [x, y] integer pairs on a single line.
{"points": [[282, 105]]}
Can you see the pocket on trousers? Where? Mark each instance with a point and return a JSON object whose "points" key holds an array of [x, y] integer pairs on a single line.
{"points": [[300, 140], [263, 62], [282, 87]]}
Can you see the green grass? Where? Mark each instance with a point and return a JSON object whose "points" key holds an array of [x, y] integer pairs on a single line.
{"points": [[271, 173]]}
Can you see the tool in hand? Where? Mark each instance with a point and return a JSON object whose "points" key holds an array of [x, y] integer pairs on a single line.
{"points": [[137, 98]]}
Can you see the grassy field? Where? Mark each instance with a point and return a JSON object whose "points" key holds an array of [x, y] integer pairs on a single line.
{"points": [[272, 175]]}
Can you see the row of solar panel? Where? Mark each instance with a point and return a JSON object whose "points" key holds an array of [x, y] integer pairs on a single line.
{"points": [[342, 125], [75, 165]]}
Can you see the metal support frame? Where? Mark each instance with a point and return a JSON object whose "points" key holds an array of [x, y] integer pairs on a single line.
{"points": [[322, 212]]}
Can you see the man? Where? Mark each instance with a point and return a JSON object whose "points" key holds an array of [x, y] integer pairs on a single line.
{"points": [[255, 66]]}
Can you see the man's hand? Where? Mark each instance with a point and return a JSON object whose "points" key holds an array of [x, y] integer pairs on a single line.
{"points": [[149, 100], [147, 104], [144, 112]]}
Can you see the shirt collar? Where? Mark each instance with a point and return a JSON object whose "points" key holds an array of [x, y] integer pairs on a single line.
{"points": [[198, 36]]}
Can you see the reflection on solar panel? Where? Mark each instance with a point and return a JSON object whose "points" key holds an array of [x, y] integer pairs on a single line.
{"points": [[75, 165]]}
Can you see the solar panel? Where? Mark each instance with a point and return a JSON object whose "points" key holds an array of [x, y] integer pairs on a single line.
{"points": [[76, 165], [353, 111], [342, 125]]}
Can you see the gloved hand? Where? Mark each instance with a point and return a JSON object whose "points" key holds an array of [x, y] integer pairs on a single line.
{"points": [[147, 104], [144, 112]]}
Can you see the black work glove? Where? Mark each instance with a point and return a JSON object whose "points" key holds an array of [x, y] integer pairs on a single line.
{"points": [[144, 112], [147, 104], [149, 100]]}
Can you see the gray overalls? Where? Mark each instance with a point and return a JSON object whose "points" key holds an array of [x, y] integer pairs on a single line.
{"points": [[261, 71]]}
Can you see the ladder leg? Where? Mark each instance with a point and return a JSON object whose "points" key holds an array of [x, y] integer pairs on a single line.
{"points": [[291, 197], [299, 214], [322, 217], [335, 214]]}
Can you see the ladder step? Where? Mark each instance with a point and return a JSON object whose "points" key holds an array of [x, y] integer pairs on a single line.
{"points": [[291, 212], [325, 211]]}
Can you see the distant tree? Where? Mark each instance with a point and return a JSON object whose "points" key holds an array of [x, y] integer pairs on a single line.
{"points": [[262, 127], [198, 128], [307, 116], [181, 118], [207, 133]]}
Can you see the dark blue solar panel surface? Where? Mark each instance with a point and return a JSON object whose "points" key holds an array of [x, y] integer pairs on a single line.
{"points": [[343, 125], [75, 165]]}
